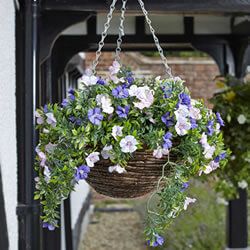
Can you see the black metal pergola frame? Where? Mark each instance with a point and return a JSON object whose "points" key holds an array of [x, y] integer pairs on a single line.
{"points": [[42, 55]]}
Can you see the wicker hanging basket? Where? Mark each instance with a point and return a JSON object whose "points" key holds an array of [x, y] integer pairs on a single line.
{"points": [[142, 173], [143, 170]]}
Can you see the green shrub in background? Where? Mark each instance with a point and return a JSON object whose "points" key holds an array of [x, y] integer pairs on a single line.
{"points": [[233, 103]]}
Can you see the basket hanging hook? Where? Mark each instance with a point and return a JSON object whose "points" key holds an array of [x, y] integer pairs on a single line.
{"points": [[156, 40]]}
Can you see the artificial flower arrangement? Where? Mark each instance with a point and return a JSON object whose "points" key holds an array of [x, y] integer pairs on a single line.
{"points": [[232, 101], [111, 120]]}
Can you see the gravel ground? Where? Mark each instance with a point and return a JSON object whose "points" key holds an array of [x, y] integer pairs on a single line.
{"points": [[114, 231]]}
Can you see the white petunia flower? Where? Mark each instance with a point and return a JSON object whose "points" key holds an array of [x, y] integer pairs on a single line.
{"points": [[208, 151], [242, 184], [182, 112], [128, 144], [106, 152], [182, 126], [203, 139], [195, 113], [92, 159], [105, 102], [209, 168], [117, 168], [89, 79], [188, 201], [133, 90], [117, 131], [160, 152], [145, 96], [51, 119], [241, 119], [40, 119], [114, 69], [47, 174]]}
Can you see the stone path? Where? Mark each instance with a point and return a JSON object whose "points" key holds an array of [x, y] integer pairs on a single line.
{"points": [[114, 231]]}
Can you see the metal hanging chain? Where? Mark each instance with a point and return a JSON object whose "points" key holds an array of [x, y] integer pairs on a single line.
{"points": [[156, 40], [121, 31], [104, 34]]}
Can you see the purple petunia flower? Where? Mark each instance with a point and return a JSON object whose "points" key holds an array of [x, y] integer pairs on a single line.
{"points": [[101, 81], [169, 121], [185, 185], [130, 80], [95, 116], [159, 240], [220, 157], [167, 144], [75, 120], [65, 103], [122, 112], [82, 172], [210, 129], [168, 135], [219, 119], [120, 92], [45, 108], [49, 226], [193, 123], [184, 99], [71, 94]]}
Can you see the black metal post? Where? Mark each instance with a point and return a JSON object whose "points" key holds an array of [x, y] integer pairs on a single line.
{"points": [[4, 241], [28, 210], [237, 232]]}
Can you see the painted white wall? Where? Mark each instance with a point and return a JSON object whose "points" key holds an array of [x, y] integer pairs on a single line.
{"points": [[77, 200], [8, 154]]}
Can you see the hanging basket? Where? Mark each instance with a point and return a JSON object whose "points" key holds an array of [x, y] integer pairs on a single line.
{"points": [[142, 174], [127, 137]]}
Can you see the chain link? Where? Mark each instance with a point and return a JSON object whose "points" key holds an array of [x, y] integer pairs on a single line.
{"points": [[103, 36], [156, 40], [121, 31]]}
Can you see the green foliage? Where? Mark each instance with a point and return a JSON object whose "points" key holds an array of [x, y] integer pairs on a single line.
{"points": [[233, 102]]}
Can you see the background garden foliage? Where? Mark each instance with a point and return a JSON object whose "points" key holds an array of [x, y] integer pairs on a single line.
{"points": [[233, 102]]}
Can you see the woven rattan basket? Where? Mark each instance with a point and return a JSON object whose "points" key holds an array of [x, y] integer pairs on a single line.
{"points": [[143, 172]]}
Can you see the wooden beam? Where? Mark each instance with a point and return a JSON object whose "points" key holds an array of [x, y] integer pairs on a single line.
{"points": [[168, 6]]}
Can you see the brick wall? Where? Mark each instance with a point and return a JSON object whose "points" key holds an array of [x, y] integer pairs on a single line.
{"points": [[197, 72]]}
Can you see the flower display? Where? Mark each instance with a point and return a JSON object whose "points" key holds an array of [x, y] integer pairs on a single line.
{"points": [[114, 118], [231, 103]]}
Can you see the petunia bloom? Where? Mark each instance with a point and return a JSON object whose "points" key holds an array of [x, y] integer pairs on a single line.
{"points": [[95, 116], [114, 69], [159, 241], [210, 127], [105, 102], [122, 112], [39, 117], [51, 119], [89, 79], [182, 126], [219, 119], [184, 99], [117, 168], [92, 159], [120, 92], [82, 172], [128, 144], [188, 201], [117, 131], [160, 152], [169, 121], [49, 226], [107, 152]]}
